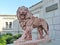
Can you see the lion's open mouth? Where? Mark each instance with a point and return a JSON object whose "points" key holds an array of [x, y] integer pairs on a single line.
{"points": [[22, 16]]}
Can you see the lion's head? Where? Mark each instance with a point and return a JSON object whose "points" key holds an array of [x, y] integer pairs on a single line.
{"points": [[22, 12]]}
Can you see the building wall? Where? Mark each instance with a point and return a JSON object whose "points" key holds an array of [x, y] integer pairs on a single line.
{"points": [[52, 16], [5, 28]]}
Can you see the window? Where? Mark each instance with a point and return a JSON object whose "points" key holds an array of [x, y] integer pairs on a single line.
{"points": [[52, 7], [6, 24], [10, 24]]}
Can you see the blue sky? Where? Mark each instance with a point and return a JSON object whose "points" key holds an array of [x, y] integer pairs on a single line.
{"points": [[10, 6]]}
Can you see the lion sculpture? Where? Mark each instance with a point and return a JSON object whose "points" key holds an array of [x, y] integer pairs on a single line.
{"points": [[28, 22]]}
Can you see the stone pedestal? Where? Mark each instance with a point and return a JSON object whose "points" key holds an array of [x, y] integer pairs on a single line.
{"points": [[33, 42]]}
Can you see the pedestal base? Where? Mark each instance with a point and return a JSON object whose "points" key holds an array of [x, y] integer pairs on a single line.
{"points": [[33, 42]]}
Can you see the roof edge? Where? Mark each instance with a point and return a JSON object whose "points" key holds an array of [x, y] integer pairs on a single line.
{"points": [[36, 4], [7, 15]]}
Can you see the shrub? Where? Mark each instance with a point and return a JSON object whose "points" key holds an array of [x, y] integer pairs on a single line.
{"points": [[17, 36], [9, 34], [9, 39], [2, 41]]}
